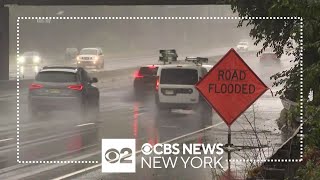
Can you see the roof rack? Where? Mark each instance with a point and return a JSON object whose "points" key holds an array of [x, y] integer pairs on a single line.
{"points": [[168, 51], [197, 60], [168, 55]]}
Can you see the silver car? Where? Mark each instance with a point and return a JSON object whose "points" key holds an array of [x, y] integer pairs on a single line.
{"points": [[31, 58], [91, 57]]}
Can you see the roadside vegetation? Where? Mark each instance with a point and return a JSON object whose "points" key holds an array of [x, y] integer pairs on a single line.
{"points": [[276, 33]]}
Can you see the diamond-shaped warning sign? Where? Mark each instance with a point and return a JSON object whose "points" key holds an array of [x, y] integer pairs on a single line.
{"points": [[231, 87]]}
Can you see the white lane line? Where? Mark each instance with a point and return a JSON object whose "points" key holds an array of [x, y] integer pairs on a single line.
{"points": [[137, 152], [77, 172], [80, 125], [4, 140]]}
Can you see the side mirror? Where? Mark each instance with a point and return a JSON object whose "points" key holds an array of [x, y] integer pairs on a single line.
{"points": [[94, 80]]}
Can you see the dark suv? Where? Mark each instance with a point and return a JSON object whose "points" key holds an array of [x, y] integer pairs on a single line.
{"points": [[145, 79], [64, 89]]}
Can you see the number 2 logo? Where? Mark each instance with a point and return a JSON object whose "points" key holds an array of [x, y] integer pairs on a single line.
{"points": [[114, 156]]}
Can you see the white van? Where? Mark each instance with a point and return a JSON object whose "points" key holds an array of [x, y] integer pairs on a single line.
{"points": [[175, 88]]}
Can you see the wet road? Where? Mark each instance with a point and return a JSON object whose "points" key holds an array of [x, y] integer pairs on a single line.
{"points": [[115, 63], [122, 115], [179, 123]]}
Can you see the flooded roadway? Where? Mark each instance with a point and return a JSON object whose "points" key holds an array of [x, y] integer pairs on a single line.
{"points": [[122, 115]]}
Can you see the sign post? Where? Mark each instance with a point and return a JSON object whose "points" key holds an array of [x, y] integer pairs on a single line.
{"points": [[231, 87], [229, 145]]}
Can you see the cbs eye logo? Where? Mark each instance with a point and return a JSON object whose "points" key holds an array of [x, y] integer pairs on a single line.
{"points": [[114, 156]]}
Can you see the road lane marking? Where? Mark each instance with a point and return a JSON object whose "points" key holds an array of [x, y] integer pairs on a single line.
{"points": [[137, 152], [4, 140], [80, 125]]}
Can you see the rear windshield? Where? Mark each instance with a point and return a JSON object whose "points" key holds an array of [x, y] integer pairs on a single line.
{"points": [[56, 76], [179, 76], [148, 70]]}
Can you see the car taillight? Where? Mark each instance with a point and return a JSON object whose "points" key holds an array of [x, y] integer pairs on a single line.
{"points": [[151, 67], [157, 83], [35, 86], [77, 87], [137, 74]]}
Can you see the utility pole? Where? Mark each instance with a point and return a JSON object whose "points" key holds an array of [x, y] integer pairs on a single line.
{"points": [[4, 41]]}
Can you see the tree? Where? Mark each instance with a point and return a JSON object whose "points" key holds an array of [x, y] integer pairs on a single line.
{"points": [[275, 33]]}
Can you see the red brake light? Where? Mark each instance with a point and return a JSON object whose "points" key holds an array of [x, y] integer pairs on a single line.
{"points": [[77, 87], [157, 83], [35, 86], [151, 66], [137, 74]]}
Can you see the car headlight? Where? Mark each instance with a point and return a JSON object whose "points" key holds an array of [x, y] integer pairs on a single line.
{"points": [[21, 60], [78, 58], [95, 58], [36, 59]]}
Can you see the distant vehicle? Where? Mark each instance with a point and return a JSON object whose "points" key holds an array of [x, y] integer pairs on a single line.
{"points": [[175, 89], [30, 58], [269, 58], [168, 56], [91, 57], [197, 60], [71, 55], [243, 46], [145, 79], [64, 89]]}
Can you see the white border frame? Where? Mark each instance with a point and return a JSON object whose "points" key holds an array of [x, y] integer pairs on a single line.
{"points": [[162, 18]]}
